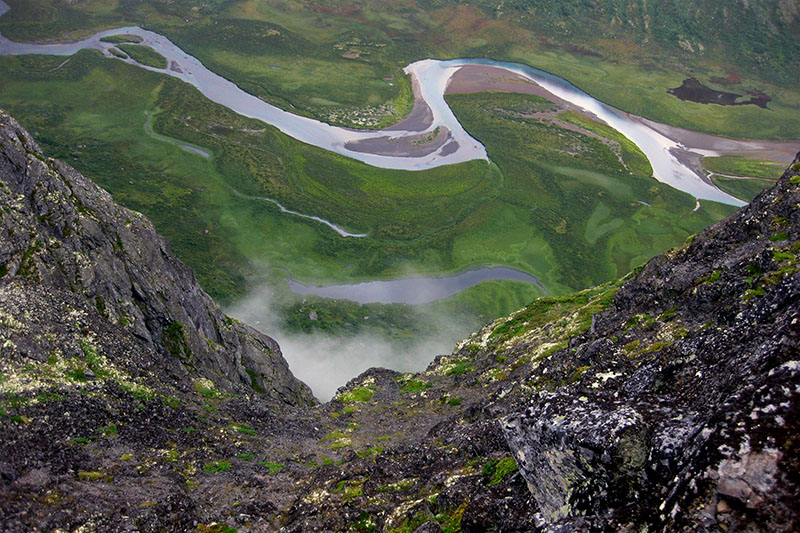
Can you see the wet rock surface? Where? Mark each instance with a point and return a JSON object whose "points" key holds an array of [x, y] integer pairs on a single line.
{"points": [[665, 401]]}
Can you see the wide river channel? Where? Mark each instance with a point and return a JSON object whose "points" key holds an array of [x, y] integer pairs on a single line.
{"points": [[432, 77]]}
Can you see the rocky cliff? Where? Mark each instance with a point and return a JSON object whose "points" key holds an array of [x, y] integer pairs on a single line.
{"points": [[665, 401], [62, 232]]}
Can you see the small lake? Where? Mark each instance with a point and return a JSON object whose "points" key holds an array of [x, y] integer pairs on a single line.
{"points": [[417, 290]]}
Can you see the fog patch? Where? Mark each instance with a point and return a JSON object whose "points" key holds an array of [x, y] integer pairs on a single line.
{"points": [[325, 362]]}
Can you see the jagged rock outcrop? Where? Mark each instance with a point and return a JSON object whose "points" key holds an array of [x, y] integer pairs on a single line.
{"points": [[694, 421], [62, 231]]}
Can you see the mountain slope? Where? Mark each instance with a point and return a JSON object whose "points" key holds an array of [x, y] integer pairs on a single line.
{"points": [[664, 401], [62, 232]]}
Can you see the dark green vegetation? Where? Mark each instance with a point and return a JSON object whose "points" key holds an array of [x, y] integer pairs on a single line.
{"points": [[739, 166], [597, 215], [572, 221], [743, 178], [144, 55], [743, 188], [122, 38]]}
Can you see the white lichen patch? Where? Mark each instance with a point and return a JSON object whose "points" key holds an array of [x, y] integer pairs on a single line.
{"points": [[369, 382], [8, 320], [603, 377], [66, 373], [318, 496], [343, 442], [204, 383], [402, 510], [445, 364]]}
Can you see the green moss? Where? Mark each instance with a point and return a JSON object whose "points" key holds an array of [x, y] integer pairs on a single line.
{"points": [[451, 522], [47, 396], [94, 476], [752, 293], [409, 525], [711, 278], [640, 320], [140, 392], [175, 341], [400, 486], [27, 266], [553, 308], [655, 347], [358, 394], [254, 381], [631, 346], [216, 528], [668, 314], [495, 471], [244, 428], [100, 304], [172, 402], [77, 375], [273, 468], [217, 466], [93, 360], [207, 392], [245, 456], [782, 236], [473, 348], [108, 431], [576, 375], [781, 222], [462, 366], [412, 386], [504, 467], [365, 524], [754, 270], [779, 256]]}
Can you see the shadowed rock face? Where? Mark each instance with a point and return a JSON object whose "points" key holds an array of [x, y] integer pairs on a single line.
{"points": [[61, 231], [664, 401], [695, 422]]}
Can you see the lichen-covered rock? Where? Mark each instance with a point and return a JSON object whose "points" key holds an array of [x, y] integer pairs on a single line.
{"points": [[695, 424], [578, 454], [60, 230]]}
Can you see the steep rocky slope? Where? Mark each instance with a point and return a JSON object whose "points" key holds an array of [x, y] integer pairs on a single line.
{"points": [[61, 231], [665, 401]]}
